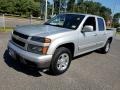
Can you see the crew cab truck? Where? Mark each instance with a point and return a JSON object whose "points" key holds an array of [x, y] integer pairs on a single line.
{"points": [[53, 44]]}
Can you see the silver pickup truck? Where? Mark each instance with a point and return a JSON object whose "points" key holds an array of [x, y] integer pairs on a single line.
{"points": [[54, 44]]}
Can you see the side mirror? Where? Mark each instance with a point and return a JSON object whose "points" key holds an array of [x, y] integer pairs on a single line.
{"points": [[87, 28]]}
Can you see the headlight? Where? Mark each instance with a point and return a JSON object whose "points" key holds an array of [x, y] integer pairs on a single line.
{"points": [[37, 49], [41, 39]]}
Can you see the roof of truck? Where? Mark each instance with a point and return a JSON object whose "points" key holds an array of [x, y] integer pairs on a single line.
{"points": [[84, 14]]}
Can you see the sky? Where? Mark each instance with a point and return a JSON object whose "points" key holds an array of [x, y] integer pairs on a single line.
{"points": [[114, 5]]}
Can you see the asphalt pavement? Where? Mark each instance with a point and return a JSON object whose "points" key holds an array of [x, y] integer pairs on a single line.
{"points": [[92, 71]]}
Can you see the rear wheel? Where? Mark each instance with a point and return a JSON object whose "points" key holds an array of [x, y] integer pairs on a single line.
{"points": [[106, 48], [61, 61]]}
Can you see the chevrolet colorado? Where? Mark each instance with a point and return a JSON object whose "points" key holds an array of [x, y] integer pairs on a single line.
{"points": [[54, 44]]}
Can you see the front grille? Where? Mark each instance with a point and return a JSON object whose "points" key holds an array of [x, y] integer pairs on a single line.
{"points": [[18, 42], [20, 35]]}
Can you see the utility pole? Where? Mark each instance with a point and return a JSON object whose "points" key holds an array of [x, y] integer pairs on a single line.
{"points": [[65, 6], [53, 9], [59, 6], [45, 10]]}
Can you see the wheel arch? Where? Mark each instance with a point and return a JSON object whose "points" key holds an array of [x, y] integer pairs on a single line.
{"points": [[69, 46], [110, 39]]}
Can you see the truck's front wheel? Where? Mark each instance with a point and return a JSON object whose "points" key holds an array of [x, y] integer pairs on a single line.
{"points": [[60, 61]]}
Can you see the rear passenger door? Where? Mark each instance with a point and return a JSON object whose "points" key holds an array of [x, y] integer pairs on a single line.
{"points": [[101, 32]]}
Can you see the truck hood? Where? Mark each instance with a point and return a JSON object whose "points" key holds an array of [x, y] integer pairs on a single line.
{"points": [[40, 30]]}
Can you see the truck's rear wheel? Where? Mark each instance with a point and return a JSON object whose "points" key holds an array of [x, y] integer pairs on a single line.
{"points": [[60, 61], [106, 48]]}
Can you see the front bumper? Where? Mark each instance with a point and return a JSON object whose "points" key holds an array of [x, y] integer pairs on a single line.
{"points": [[42, 61]]}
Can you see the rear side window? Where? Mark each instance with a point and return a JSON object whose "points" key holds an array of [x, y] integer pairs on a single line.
{"points": [[101, 26]]}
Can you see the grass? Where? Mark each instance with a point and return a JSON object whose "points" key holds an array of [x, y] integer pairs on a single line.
{"points": [[6, 29]]}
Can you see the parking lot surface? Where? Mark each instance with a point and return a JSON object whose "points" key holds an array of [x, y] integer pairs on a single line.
{"points": [[92, 71]]}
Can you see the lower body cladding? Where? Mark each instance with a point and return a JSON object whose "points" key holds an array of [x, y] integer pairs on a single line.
{"points": [[40, 61]]}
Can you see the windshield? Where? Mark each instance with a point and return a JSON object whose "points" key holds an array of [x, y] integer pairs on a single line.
{"points": [[70, 21]]}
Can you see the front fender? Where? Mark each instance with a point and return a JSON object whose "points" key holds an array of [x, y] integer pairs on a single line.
{"points": [[56, 43]]}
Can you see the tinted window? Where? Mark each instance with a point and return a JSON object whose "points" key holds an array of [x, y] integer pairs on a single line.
{"points": [[101, 26], [70, 21], [91, 21]]}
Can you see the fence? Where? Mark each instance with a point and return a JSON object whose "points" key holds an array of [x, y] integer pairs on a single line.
{"points": [[10, 21]]}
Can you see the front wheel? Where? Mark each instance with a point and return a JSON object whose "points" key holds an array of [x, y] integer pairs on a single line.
{"points": [[61, 61]]}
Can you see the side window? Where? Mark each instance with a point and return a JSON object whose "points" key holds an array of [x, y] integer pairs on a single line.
{"points": [[90, 21], [101, 26]]}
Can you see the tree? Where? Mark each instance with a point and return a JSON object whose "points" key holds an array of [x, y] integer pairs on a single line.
{"points": [[37, 7], [70, 5], [56, 6], [116, 20], [20, 7], [6, 7], [116, 15], [80, 2], [24, 6], [89, 7]]}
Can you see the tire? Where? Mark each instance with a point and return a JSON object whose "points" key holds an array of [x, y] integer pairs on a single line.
{"points": [[106, 48], [61, 61]]}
